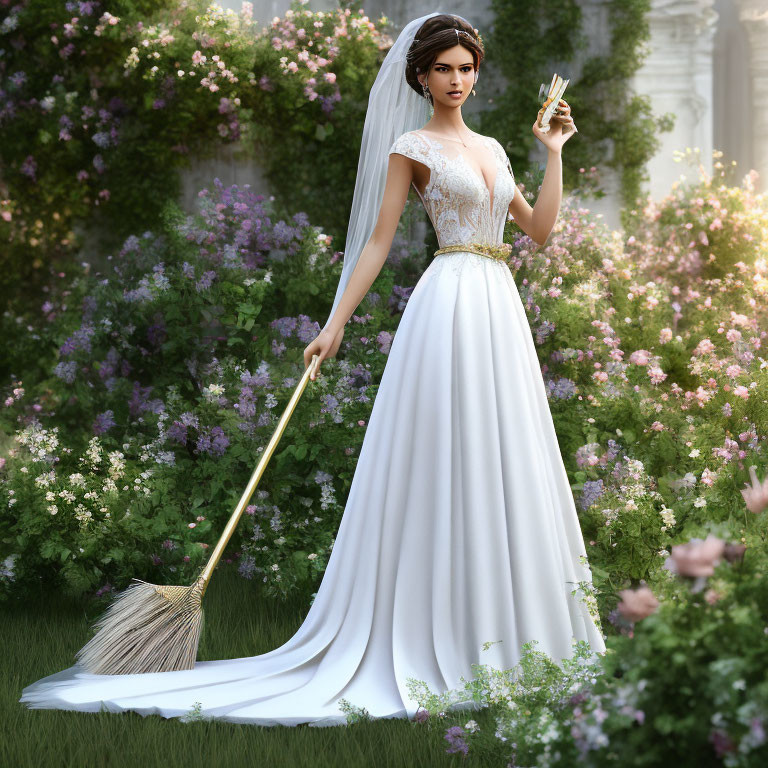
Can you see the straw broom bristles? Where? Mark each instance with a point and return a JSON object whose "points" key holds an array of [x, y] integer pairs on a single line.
{"points": [[154, 628], [146, 628]]}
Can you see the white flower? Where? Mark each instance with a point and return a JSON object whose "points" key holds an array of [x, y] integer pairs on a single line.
{"points": [[694, 453], [275, 567], [312, 556], [213, 391]]}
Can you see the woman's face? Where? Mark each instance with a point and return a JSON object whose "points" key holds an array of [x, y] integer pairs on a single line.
{"points": [[453, 70]]}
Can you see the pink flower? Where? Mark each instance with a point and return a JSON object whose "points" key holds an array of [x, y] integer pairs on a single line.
{"points": [[756, 495], [741, 391], [637, 604], [712, 596], [640, 357], [696, 558]]}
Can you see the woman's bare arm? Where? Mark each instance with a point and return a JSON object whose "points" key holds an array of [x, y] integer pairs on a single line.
{"points": [[537, 222], [374, 253]]}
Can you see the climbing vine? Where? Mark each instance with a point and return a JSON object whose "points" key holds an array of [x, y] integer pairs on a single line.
{"points": [[527, 42]]}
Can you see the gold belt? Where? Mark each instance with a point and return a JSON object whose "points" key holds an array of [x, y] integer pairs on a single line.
{"points": [[499, 252]]}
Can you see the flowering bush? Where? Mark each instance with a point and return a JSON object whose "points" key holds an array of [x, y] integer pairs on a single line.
{"points": [[655, 376], [174, 369], [101, 108], [682, 683]]}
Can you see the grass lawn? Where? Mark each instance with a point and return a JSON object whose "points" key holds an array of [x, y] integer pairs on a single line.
{"points": [[42, 637]]}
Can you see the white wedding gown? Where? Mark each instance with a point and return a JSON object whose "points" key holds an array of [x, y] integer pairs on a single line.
{"points": [[459, 529]]}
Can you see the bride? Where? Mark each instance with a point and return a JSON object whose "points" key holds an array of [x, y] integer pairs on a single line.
{"points": [[459, 540]]}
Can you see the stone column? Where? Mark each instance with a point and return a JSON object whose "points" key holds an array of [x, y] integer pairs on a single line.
{"points": [[754, 17], [677, 75]]}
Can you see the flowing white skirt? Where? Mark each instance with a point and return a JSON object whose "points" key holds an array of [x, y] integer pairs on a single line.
{"points": [[459, 529]]}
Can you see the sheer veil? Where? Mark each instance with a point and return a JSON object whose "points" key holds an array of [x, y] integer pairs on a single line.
{"points": [[393, 108]]}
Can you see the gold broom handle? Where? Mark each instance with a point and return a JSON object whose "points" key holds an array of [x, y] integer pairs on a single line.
{"points": [[205, 576]]}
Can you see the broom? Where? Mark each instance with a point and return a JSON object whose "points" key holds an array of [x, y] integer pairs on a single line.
{"points": [[153, 628]]}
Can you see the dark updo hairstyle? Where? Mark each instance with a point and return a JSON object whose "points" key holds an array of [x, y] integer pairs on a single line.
{"points": [[437, 34]]}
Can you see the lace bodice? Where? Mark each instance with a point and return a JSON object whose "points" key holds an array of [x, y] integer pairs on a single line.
{"points": [[456, 198]]}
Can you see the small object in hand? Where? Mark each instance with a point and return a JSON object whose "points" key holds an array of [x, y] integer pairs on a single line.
{"points": [[550, 98]]}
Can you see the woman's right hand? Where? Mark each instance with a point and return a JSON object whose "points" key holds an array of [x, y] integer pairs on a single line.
{"points": [[324, 345]]}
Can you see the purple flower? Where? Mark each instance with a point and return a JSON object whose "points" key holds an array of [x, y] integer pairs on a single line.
{"points": [[329, 403], [247, 566], [213, 442], [178, 432], [139, 401], [103, 423], [562, 388], [85, 8], [29, 167], [259, 379], [66, 371], [308, 329], [205, 282], [455, 737], [400, 296], [246, 405], [80, 339], [592, 491], [384, 340], [108, 366], [547, 328], [284, 326]]}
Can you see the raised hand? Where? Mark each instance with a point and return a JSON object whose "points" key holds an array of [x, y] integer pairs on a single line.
{"points": [[561, 128]]}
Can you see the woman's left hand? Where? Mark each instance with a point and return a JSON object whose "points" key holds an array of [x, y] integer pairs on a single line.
{"points": [[561, 128]]}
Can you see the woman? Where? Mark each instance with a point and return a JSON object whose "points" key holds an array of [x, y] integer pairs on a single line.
{"points": [[459, 540]]}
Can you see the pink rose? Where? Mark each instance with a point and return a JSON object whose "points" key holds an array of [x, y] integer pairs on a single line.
{"points": [[696, 558], [637, 604]]}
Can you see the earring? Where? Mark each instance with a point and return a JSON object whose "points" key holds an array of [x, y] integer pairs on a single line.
{"points": [[426, 96]]}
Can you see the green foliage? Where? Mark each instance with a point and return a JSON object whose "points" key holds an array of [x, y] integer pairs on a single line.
{"points": [[619, 125], [89, 149]]}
